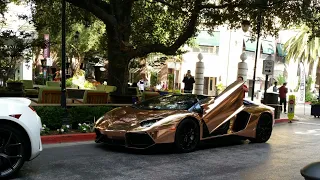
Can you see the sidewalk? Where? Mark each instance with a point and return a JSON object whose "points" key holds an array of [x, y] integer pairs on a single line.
{"points": [[302, 112]]}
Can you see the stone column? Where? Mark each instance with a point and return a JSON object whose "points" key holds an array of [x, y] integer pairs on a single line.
{"points": [[243, 67], [199, 77]]}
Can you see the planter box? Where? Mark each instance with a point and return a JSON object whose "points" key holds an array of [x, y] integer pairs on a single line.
{"points": [[277, 110], [123, 99], [315, 110], [15, 86], [4, 93]]}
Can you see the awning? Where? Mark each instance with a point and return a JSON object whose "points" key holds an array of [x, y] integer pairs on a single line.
{"points": [[250, 45], [267, 47], [280, 50], [205, 39]]}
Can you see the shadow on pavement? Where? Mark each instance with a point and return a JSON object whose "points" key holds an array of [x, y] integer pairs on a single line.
{"points": [[161, 149]]}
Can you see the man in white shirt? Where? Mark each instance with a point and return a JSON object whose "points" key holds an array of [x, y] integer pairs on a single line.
{"points": [[275, 89]]}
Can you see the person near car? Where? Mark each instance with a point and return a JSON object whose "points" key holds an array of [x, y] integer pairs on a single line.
{"points": [[188, 81], [275, 89], [245, 87], [283, 90]]}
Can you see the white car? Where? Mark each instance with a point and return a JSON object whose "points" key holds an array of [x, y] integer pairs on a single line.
{"points": [[20, 129]]}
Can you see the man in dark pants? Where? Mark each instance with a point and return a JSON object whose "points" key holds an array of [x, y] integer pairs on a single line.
{"points": [[283, 97], [188, 81]]}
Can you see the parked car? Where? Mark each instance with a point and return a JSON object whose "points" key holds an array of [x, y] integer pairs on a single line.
{"points": [[185, 120], [20, 141]]}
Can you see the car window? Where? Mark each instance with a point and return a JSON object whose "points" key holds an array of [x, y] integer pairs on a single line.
{"points": [[170, 102]]}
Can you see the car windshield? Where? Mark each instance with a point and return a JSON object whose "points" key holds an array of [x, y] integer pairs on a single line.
{"points": [[170, 102]]}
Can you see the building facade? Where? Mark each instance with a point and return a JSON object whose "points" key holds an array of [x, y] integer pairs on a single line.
{"points": [[221, 54]]}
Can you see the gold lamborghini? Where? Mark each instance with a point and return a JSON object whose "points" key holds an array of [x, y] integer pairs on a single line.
{"points": [[185, 120]]}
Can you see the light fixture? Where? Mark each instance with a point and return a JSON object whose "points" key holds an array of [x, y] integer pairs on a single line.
{"points": [[245, 25]]}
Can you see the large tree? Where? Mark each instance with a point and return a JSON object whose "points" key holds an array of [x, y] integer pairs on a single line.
{"points": [[135, 28], [84, 32], [15, 47]]}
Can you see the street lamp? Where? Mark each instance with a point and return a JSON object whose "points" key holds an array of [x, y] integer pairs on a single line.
{"points": [[245, 25], [63, 63], [261, 4]]}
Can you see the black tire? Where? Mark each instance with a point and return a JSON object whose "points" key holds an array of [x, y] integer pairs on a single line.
{"points": [[187, 136], [13, 150], [263, 130]]}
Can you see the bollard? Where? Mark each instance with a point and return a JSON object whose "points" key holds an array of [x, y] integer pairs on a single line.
{"points": [[291, 106]]}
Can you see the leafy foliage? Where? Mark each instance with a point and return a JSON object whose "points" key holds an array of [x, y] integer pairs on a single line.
{"points": [[83, 32], [281, 79], [135, 29], [51, 115], [14, 48], [301, 47]]}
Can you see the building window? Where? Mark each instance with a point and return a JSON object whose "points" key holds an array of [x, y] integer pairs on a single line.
{"points": [[206, 49]]}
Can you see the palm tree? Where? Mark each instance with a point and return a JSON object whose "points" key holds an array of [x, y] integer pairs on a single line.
{"points": [[302, 48]]}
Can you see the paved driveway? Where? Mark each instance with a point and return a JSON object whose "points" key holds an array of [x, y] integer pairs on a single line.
{"points": [[291, 147]]}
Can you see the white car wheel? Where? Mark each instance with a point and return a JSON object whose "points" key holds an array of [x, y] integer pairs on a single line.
{"points": [[13, 150]]}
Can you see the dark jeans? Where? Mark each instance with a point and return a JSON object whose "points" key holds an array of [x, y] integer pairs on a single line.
{"points": [[187, 91], [284, 102]]}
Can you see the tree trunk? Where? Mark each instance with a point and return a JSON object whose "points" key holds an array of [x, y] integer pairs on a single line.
{"points": [[118, 72]]}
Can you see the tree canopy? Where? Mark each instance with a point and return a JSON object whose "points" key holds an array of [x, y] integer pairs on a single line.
{"points": [[135, 28], [14, 49]]}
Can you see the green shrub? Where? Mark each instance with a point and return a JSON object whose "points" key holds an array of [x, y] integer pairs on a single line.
{"points": [[52, 116]]}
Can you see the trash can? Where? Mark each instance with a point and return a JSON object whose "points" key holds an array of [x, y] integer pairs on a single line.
{"points": [[271, 98], [311, 171]]}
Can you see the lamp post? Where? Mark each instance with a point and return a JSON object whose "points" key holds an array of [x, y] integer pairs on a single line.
{"points": [[261, 3], [63, 58], [257, 52], [65, 119]]}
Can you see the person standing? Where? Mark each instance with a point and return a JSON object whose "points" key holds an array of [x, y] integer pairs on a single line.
{"points": [[245, 87], [275, 89], [188, 81], [283, 90]]}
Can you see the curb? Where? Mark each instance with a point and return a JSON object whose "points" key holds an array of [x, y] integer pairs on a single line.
{"points": [[67, 138]]}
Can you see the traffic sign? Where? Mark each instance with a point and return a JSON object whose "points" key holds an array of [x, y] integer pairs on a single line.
{"points": [[291, 101], [268, 66]]}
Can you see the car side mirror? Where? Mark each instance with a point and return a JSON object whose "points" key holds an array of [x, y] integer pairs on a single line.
{"points": [[198, 109]]}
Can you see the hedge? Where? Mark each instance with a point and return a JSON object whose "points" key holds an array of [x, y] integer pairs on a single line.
{"points": [[52, 116]]}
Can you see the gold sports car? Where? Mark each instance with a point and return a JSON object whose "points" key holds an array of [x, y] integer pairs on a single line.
{"points": [[185, 120]]}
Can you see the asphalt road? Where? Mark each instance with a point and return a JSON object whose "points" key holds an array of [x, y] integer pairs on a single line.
{"points": [[290, 148]]}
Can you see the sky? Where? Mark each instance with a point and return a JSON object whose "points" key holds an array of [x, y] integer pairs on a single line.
{"points": [[12, 21]]}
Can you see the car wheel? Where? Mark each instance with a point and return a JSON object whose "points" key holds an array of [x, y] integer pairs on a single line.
{"points": [[187, 136], [263, 130], [13, 146]]}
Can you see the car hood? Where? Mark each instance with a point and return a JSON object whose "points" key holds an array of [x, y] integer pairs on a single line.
{"points": [[129, 118]]}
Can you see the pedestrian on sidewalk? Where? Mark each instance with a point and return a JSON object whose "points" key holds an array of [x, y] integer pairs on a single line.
{"points": [[275, 89], [283, 90], [188, 81], [245, 88]]}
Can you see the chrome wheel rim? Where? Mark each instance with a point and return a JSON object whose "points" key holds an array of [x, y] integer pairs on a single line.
{"points": [[264, 130], [189, 136], [11, 152]]}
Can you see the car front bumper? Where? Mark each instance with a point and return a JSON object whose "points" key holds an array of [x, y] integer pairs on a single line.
{"points": [[36, 138], [136, 140]]}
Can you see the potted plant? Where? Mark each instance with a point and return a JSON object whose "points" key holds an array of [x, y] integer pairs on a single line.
{"points": [[14, 85], [315, 108], [220, 88]]}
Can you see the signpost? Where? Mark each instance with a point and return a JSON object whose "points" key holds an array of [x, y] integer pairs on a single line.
{"points": [[291, 105], [268, 66]]}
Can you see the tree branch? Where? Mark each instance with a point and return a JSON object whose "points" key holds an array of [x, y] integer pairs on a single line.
{"points": [[169, 5], [239, 4], [99, 8], [172, 50]]}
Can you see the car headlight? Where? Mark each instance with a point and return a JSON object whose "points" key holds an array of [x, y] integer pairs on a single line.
{"points": [[148, 123], [99, 120]]}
